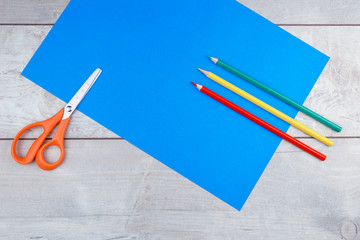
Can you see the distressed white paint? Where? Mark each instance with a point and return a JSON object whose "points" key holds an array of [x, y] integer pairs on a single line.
{"points": [[31, 11], [307, 11], [278, 11], [108, 189]]}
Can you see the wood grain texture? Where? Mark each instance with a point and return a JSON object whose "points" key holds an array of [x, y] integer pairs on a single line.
{"points": [[31, 11], [109, 189], [22, 101], [336, 94], [307, 11], [277, 11]]}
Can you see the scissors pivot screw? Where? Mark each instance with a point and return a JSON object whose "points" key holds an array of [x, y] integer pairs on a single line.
{"points": [[69, 109]]}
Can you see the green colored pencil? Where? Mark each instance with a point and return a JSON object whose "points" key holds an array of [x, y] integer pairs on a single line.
{"points": [[277, 94]]}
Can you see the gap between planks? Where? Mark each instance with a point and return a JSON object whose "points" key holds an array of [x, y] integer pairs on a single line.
{"points": [[280, 24]]}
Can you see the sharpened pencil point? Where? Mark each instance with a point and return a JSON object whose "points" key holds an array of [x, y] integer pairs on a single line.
{"points": [[215, 60], [198, 86], [204, 72]]}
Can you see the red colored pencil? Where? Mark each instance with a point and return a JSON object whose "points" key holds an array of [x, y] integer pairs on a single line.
{"points": [[261, 122]]}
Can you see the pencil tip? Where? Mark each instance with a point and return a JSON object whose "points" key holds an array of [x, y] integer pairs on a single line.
{"points": [[204, 72], [215, 60], [198, 86]]}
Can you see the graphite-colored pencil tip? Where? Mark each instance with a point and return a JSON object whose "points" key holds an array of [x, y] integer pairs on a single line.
{"points": [[215, 60], [204, 72]]}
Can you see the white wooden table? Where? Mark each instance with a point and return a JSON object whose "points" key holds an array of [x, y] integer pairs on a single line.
{"points": [[108, 189]]}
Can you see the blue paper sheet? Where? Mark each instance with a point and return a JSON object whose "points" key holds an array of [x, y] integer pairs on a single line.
{"points": [[149, 52]]}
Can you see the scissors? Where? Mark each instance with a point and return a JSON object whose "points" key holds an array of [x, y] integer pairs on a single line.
{"points": [[62, 117]]}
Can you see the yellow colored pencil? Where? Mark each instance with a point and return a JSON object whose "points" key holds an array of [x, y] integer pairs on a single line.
{"points": [[268, 108]]}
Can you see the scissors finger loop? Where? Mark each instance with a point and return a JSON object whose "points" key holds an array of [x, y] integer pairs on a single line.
{"points": [[47, 126], [57, 140]]}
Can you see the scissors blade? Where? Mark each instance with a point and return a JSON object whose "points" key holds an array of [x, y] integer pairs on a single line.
{"points": [[78, 97]]}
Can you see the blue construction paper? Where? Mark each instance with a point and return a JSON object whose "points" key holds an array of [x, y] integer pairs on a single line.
{"points": [[149, 52]]}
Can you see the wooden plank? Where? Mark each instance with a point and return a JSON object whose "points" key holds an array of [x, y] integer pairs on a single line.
{"points": [[111, 190], [24, 102], [31, 11], [307, 11], [108, 188], [277, 11], [336, 95]]}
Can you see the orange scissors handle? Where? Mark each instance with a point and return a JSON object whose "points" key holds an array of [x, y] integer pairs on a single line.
{"points": [[36, 150], [57, 140]]}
